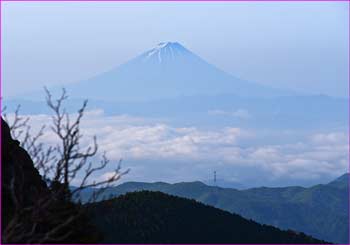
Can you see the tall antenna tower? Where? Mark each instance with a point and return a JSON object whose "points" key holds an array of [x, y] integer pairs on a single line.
{"points": [[215, 178]]}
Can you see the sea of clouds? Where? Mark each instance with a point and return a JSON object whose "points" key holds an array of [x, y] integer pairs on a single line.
{"points": [[155, 150]]}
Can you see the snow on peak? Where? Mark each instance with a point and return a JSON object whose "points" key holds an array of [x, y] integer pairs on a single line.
{"points": [[165, 50], [167, 44]]}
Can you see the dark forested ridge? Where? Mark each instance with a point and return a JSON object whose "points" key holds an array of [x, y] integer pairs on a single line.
{"points": [[155, 217], [320, 211]]}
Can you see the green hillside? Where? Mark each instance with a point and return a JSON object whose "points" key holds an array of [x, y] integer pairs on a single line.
{"points": [[320, 211], [155, 217]]}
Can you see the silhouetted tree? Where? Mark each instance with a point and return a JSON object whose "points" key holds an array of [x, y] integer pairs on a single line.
{"points": [[50, 218]]}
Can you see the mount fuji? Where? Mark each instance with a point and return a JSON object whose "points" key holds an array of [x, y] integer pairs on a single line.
{"points": [[169, 81], [166, 71]]}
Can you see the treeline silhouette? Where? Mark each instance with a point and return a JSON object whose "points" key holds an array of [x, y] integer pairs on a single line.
{"points": [[155, 217]]}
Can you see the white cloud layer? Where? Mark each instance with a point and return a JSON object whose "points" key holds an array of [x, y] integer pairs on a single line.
{"points": [[191, 149]]}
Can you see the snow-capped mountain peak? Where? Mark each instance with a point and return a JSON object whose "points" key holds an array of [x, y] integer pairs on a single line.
{"points": [[165, 50], [164, 44], [168, 70]]}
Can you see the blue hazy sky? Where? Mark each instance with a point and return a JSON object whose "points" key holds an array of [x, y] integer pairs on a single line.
{"points": [[302, 46]]}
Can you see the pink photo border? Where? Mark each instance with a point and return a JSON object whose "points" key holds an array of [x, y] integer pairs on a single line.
{"points": [[216, 1]]}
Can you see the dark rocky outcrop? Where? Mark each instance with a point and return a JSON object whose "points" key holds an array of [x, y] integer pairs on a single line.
{"points": [[16, 163], [29, 203]]}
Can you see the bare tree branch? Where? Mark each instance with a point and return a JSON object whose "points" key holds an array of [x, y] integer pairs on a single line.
{"points": [[59, 165]]}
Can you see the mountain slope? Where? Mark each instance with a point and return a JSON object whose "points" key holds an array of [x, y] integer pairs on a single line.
{"points": [[155, 217], [320, 211], [168, 70]]}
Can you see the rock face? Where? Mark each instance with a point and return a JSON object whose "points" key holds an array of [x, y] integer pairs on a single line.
{"points": [[39, 216], [18, 169]]}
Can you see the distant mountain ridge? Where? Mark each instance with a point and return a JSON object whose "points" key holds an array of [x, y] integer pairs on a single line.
{"points": [[221, 110], [169, 81], [155, 217], [320, 211], [166, 71]]}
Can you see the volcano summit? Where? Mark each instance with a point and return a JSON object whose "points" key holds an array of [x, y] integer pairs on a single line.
{"points": [[165, 71]]}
